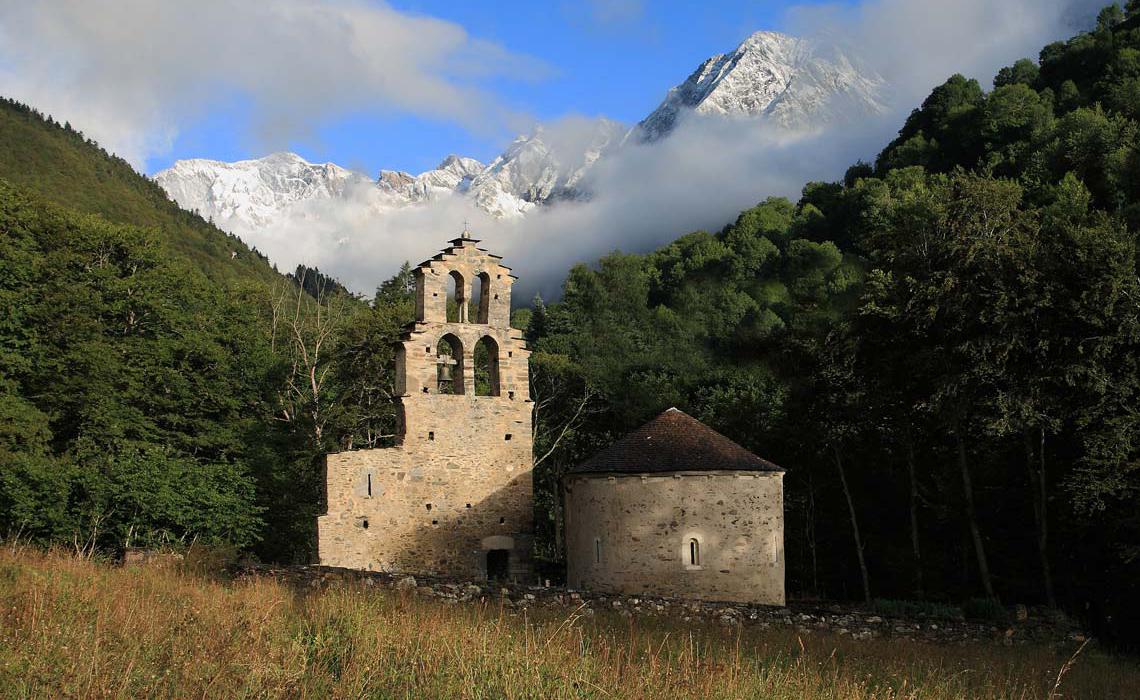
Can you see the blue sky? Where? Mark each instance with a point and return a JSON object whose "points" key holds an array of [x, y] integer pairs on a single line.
{"points": [[614, 59]]}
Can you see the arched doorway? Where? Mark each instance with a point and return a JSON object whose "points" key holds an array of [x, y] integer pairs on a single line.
{"points": [[498, 564]]}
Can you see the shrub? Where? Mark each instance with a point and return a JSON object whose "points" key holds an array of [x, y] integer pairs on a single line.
{"points": [[985, 609]]}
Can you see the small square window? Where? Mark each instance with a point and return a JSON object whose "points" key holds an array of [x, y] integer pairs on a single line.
{"points": [[435, 522], [510, 353], [428, 506], [502, 521], [510, 394], [468, 505], [431, 435], [507, 437]]}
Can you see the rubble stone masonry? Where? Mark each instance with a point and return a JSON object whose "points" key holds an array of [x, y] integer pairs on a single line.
{"points": [[700, 534]]}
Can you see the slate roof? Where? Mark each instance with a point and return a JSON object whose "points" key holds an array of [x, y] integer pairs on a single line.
{"points": [[673, 441]]}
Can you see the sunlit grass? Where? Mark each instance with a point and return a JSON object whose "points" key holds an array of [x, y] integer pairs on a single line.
{"points": [[71, 627]]}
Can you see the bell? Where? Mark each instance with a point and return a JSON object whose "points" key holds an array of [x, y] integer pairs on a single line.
{"points": [[445, 373]]}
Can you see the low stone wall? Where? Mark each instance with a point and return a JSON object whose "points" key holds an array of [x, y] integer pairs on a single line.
{"points": [[1037, 627]]}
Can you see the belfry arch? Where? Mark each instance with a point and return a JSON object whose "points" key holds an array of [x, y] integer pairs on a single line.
{"points": [[449, 365], [486, 358], [483, 308], [456, 298]]}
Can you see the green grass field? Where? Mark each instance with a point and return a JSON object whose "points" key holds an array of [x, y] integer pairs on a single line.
{"points": [[74, 627]]}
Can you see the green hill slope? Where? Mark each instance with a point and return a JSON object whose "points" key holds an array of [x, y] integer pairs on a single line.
{"points": [[62, 166]]}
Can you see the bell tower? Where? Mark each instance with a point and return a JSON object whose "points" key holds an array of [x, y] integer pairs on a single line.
{"points": [[454, 496]]}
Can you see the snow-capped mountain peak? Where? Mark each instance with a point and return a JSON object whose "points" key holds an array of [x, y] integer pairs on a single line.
{"points": [[791, 82]]}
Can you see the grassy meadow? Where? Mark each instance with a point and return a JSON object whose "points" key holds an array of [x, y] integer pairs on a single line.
{"points": [[77, 627]]}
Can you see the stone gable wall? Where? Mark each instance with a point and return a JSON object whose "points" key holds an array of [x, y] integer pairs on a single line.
{"points": [[458, 484], [631, 534]]}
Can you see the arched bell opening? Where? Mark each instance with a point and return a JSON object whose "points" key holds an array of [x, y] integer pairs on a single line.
{"points": [[482, 302], [456, 298], [449, 365], [486, 359]]}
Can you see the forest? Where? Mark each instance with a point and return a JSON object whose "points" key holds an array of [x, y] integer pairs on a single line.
{"points": [[940, 348]]}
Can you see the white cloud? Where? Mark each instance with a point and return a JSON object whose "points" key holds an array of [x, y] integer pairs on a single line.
{"points": [[916, 44], [700, 177], [610, 13], [130, 73]]}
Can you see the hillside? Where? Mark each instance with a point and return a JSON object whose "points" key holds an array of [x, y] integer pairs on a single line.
{"points": [[60, 165]]}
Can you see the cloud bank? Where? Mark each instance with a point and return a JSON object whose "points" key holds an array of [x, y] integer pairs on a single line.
{"points": [[130, 73]]}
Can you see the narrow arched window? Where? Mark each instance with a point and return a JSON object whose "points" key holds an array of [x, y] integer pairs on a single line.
{"points": [[597, 550], [486, 358], [694, 552]]}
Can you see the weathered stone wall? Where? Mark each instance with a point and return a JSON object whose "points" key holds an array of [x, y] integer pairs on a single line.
{"points": [[458, 485], [632, 534]]}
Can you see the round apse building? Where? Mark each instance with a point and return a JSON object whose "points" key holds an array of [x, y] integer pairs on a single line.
{"points": [[676, 509]]}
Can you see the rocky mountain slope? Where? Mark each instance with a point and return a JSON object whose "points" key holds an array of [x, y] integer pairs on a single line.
{"points": [[779, 78], [253, 192], [773, 78]]}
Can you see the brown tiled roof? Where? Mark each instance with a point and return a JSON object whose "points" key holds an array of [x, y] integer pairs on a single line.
{"points": [[673, 441]]}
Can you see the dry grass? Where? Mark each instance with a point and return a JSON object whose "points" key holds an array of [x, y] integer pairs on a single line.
{"points": [[71, 627]]}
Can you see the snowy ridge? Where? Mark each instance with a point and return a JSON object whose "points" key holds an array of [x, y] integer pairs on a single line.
{"points": [[790, 82], [253, 191], [772, 78]]}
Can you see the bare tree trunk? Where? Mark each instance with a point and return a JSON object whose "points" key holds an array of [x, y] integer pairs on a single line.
{"points": [[1038, 489], [811, 536], [919, 590], [972, 517], [854, 526]]}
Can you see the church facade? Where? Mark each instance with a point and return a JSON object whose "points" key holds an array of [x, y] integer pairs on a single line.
{"points": [[454, 496]]}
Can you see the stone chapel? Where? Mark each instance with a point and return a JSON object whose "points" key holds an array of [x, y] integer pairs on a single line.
{"points": [[453, 497], [673, 508]]}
